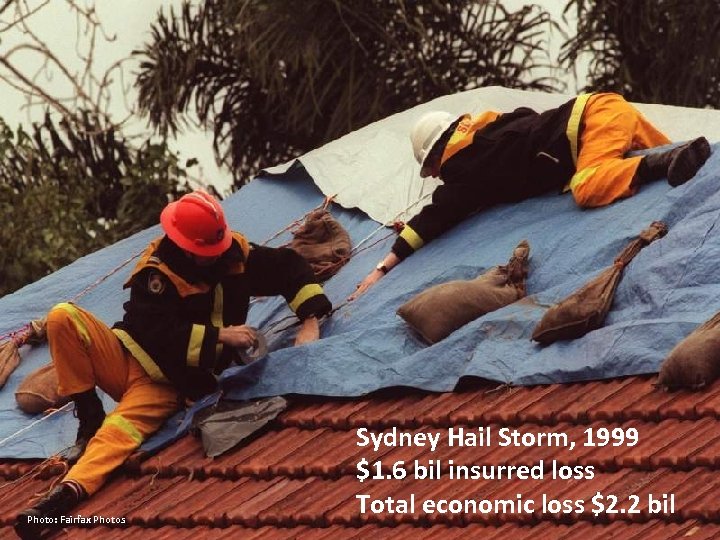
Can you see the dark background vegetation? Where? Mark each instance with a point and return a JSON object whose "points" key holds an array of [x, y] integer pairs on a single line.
{"points": [[273, 79]]}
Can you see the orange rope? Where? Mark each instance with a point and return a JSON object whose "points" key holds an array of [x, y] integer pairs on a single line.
{"points": [[42, 470]]}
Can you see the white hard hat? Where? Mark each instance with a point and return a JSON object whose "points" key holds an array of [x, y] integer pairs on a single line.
{"points": [[427, 130]]}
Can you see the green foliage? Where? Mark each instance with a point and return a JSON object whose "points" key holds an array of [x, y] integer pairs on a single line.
{"points": [[66, 192], [664, 51], [275, 78]]}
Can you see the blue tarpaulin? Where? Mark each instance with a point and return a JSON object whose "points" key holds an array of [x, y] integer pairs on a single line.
{"points": [[667, 290]]}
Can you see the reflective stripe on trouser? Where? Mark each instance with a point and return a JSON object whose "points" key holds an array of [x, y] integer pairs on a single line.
{"points": [[86, 354], [611, 128]]}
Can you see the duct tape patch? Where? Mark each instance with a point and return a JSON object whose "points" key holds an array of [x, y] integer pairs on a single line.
{"points": [[257, 351]]}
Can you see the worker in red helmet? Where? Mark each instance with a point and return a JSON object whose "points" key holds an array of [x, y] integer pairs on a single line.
{"points": [[184, 321], [579, 147]]}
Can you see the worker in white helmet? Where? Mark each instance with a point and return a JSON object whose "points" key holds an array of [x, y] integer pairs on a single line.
{"points": [[502, 158]]}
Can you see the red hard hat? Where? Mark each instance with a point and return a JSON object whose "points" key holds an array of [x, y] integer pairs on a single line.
{"points": [[196, 223]]}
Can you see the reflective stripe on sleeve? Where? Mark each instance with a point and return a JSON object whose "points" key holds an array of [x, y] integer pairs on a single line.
{"points": [[573, 128], [412, 238], [304, 294], [197, 334], [580, 177], [216, 317]]}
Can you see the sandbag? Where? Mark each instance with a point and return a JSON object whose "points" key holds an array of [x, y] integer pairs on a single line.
{"points": [[39, 391], [9, 360], [440, 310], [694, 362], [586, 309], [323, 243], [33, 333]]}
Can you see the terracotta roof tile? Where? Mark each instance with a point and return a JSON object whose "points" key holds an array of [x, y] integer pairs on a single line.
{"points": [[12, 469], [297, 480], [710, 406], [14, 496], [612, 407], [697, 436], [536, 410]]}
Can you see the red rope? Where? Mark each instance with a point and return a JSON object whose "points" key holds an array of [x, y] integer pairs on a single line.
{"points": [[19, 336], [103, 278]]}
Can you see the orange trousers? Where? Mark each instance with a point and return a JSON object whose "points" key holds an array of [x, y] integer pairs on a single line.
{"points": [[611, 128], [87, 354]]}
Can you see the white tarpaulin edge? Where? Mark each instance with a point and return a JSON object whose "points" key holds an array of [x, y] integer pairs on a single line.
{"points": [[373, 168]]}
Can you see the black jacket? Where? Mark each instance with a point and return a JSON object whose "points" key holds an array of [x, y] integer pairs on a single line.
{"points": [[522, 154], [176, 307]]}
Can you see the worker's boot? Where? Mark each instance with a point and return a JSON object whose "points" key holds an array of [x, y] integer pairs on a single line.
{"points": [[45, 514], [90, 413], [678, 165]]}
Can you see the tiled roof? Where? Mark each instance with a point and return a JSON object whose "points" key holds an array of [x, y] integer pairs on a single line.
{"points": [[298, 479]]}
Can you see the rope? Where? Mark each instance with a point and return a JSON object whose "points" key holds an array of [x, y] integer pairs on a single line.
{"points": [[322, 206], [328, 201], [396, 225], [26, 428], [25, 331], [355, 251], [106, 276], [54, 465], [272, 329], [269, 331], [19, 336]]}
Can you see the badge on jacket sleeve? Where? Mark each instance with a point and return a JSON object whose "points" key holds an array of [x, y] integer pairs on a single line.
{"points": [[156, 284]]}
